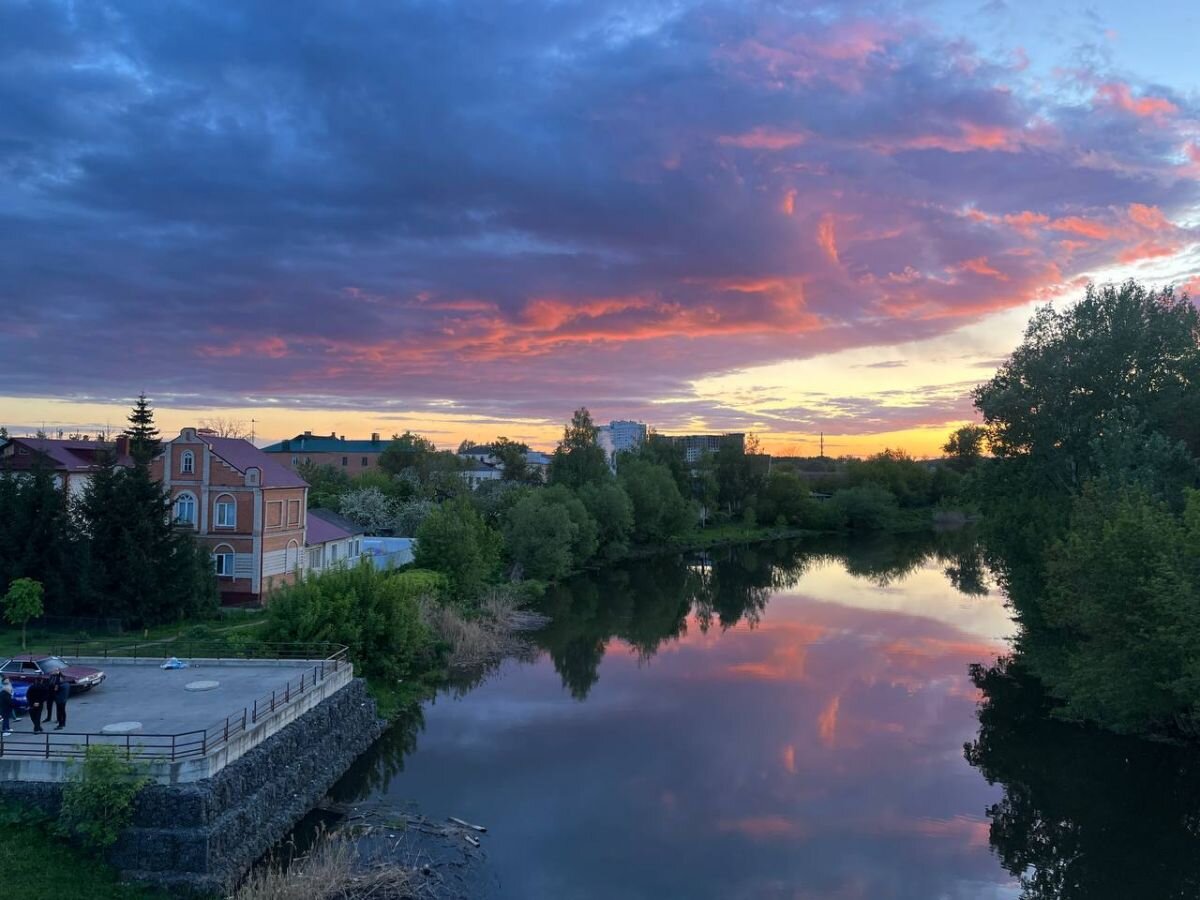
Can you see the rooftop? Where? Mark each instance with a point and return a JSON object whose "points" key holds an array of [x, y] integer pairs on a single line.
{"points": [[69, 456], [243, 455], [326, 525], [326, 443]]}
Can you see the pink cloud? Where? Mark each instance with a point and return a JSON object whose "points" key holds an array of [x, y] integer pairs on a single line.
{"points": [[765, 139], [1119, 96]]}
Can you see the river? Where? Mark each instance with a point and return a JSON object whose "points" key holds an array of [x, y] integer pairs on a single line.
{"points": [[781, 721]]}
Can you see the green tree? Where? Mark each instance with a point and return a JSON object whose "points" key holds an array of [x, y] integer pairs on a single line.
{"points": [[1120, 349], [865, 507], [896, 472], [407, 451], [376, 614], [1121, 604], [786, 500], [22, 603], [98, 799], [612, 512], [538, 536], [966, 446], [455, 541], [586, 537], [512, 459], [660, 512], [326, 484], [578, 460], [143, 569], [144, 442]]}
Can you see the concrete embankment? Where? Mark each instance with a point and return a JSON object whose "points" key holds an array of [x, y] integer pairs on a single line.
{"points": [[199, 838]]}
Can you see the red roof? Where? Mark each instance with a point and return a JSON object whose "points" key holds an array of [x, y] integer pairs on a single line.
{"points": [[242, 455], [64, 456]]}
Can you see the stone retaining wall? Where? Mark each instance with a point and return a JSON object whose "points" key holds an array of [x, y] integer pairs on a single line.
{"points": [[200, 838]]}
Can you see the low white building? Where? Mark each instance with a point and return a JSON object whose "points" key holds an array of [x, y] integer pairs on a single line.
{"points": [[476, 473], [331, 541]]}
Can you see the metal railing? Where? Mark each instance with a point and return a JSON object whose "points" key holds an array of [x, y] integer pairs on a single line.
{"points": [[194, 743], [185, 648]]}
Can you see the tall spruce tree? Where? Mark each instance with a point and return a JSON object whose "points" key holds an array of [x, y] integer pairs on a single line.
{"points": [[144, 442], [143, 570]]}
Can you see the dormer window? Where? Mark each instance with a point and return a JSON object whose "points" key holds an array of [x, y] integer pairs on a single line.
{"points": [[187, 462], [252, 476]]}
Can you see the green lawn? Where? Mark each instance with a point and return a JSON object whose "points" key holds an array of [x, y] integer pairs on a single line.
{"points": [[35, 865], [41, 639]]}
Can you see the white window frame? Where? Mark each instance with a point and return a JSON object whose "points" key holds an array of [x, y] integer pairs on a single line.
{"points": [[224, 502], [176, 518], [187, 463], [224, 559]]}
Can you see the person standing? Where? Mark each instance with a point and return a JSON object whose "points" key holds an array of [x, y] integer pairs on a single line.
{"points": [[37, 695], [59, 691], [6, 705]]}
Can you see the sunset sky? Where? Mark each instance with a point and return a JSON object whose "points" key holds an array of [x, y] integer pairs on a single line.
{"points": [[468, 219]]}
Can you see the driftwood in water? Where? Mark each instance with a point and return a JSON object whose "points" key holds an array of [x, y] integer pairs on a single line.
{"points": [[479, 828]]}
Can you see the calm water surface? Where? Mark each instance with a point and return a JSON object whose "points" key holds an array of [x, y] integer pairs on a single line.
{"points": [[783, 722]]}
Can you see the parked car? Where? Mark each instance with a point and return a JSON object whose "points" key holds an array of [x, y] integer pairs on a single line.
{"points": [[26, 668]]}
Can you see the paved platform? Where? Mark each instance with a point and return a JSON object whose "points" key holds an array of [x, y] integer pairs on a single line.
{"points": [[140, 691], [158, 698]]}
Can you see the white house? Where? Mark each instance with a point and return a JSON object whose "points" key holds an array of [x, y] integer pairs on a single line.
{"points": [[333, 541]]}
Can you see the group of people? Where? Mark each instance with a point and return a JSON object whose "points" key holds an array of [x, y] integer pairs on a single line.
{"points": [[45, 696]]}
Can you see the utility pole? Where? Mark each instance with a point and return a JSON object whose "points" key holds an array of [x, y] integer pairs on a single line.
{"points": [[822, 445], [252, 421]]}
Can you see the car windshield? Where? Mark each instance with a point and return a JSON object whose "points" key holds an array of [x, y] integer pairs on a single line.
{"points": [[52, 664]]}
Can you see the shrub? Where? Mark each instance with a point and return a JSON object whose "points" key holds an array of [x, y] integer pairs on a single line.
{"points": [[98, 798], [374, 613], [867, 507]]}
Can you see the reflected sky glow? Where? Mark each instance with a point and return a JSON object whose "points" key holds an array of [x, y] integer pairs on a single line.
{"points": [[816, 754]]}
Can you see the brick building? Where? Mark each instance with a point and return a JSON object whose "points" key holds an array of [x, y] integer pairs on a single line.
{"points": [[247, 508], [351, 456]]}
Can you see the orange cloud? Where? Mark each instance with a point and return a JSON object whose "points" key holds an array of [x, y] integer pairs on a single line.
{"points": [[789, 758], [827, 722], [789, 202], [1191, 287], [1090, 228], [980, 266], [1119, 96], [826, 237], [1149, 217], [1146, 250], [765, 139], [272, 348]]}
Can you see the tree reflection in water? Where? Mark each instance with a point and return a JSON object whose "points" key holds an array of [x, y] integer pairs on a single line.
{"points": [[1086, 815], [648, 602]]}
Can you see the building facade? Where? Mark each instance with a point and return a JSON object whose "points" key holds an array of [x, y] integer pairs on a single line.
{"points": [[351, 456], [696, 446], [331, 541], [241, 503], [618, 436]]}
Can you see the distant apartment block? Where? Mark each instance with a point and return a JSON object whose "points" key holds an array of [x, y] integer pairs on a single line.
{"points": [[72, 462], [247, 508], [618, 436], [696, 446], [352, 456]]}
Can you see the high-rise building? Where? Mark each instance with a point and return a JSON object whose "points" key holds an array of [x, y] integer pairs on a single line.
{"points": [[697, 445], [620, 435]]}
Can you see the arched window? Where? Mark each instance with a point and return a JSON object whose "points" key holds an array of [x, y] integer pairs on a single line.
{"points": [[185, 510], [223, 561], [225, 512], [187, 462], [292, 559]]}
